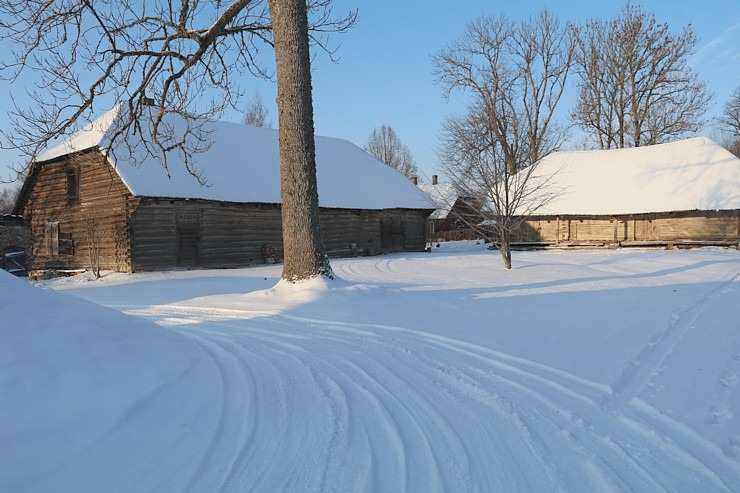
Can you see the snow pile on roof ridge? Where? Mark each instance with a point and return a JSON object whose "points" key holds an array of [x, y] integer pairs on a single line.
{"points": [[243, 165], [691, 174]]}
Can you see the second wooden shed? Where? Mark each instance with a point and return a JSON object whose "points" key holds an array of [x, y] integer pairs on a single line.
{"points": [[680, 193]]}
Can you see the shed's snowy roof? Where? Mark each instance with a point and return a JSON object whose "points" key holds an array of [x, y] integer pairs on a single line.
{"points": [[444, 196], [243, 165], [693, 174]]}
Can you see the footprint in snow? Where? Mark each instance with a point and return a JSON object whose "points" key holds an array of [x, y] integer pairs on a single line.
{"points": [[731, 448], [728, 379], [718, 414]]}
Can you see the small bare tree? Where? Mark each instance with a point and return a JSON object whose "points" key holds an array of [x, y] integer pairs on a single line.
{"points": [[515, 74], [7, 199], [478, 164], [256, 113], [636, 86], [385, 146], [730, 121], [92, 237]]}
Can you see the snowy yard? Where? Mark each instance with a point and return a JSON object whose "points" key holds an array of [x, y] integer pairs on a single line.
{"points": [[579, 371]]}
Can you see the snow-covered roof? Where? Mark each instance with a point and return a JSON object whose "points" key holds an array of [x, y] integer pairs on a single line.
{"points": [[243, 165], [443, 195], [693, 174]]}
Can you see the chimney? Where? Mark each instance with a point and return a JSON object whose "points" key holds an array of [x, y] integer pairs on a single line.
{"points": [[414, 180], [434, 179]]}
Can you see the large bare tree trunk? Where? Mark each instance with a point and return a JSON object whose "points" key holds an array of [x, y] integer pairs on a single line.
{"points": [[304, 252]]}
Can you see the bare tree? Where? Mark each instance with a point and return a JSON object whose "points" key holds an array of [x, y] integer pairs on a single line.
{"points": [[385, 146], [256, 113], [515, 74], [7, 199], [159, 59], [636, 86], [730, 121], [92, 236]]}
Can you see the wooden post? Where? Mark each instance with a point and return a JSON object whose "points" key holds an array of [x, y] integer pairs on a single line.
{"points": [[616, 227], [634, 229]]}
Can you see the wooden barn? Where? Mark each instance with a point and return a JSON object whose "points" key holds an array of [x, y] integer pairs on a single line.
{"points": [[82, 205], [683, 193], [455, 213]]}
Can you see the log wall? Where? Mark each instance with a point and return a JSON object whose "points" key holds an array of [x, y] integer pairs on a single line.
{"points": [[669, 227], [188, 233], [100, 202], [183, 233], [416, 235]]}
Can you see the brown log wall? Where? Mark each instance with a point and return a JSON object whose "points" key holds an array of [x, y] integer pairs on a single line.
{"points": [[416, 222], [188, 233], [102, 200]]}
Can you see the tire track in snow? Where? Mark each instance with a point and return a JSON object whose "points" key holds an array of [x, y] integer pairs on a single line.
{"points": [[384, 413], [581, 400], [394, 408], [416, 411], [281, 434], [476, 382], [209, 476], [560, 401], [377, 272]]}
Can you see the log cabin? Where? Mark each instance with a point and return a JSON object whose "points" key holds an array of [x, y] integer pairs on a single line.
{"points": [[86, 198], [684, 193]]}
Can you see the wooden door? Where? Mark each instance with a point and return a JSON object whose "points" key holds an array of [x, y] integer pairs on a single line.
{"points": [[644, 230], [188, 238], [563, 230], [392, 234]]}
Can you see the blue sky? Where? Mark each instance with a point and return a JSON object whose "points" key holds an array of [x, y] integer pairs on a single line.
{"points": [[384, 73]]}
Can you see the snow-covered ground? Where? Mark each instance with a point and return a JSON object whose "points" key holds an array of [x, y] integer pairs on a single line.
{"points": [[589, 371]]}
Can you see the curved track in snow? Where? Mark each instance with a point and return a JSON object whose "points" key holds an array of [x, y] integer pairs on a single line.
{"points": [[574, 372], [319, 405]]}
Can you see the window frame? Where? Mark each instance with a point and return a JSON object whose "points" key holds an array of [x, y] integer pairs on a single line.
{"points": [[73, 185], [51, 238]]}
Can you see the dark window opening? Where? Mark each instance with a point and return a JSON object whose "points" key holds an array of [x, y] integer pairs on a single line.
{"points": [[73, 186]]}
